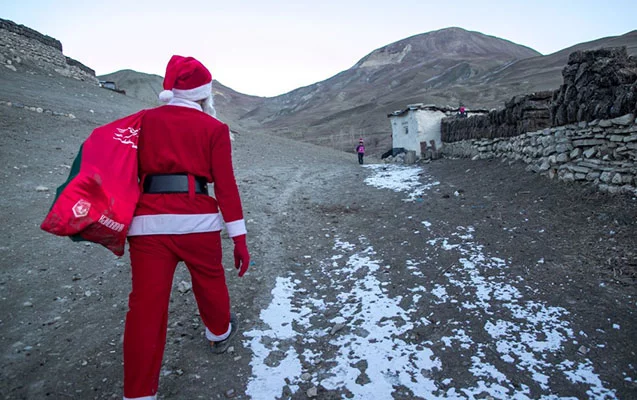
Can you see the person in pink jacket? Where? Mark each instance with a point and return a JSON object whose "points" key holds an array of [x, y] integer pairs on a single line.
{"points": [[181, 149], [360, 150]]}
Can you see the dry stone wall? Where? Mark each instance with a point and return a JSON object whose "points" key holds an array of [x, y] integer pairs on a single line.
{"points": [[76, 64], [21, 46], [585, 131], [600, 152], [598, 84], [29, 33]]}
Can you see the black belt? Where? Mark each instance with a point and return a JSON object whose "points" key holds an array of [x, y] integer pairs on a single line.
{"points": [[173, 183]]}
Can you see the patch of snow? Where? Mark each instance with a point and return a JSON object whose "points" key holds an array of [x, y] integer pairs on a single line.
{"points": [[363, 347], [267, 381], [399, 178]]}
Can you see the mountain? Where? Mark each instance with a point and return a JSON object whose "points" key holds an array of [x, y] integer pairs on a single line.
{"points": [[230, 104], [434, 67], [445, 67], [144, 87], [545, 72]]}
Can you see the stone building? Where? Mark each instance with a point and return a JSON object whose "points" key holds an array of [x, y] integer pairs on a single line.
{"points": [[417, 127]]}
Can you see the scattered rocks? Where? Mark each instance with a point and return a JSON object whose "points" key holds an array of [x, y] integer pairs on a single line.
{"points": [[53, 321], [336, 328], [38, 110], [312, 392], [184, 287]]}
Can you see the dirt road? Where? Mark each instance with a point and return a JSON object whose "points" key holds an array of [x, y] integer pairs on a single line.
{"points": [[455, 279]]}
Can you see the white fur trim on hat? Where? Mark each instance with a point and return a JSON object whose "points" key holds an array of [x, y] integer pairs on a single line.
{"points": [[198, 93], [165, 95]]}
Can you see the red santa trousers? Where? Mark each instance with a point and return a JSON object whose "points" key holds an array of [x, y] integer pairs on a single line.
{"points": [[153, 262]]}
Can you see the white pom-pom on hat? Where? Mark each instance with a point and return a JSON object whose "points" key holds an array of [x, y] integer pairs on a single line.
{"points": [[166, 95]]}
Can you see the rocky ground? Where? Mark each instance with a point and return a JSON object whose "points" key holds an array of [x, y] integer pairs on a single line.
{"points": [[454, 279]]}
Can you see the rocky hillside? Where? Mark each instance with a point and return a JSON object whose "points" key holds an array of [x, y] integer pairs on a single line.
{"points": [[545, 72], [144, 87], [445, 67], [230, 104], [434, 67]]}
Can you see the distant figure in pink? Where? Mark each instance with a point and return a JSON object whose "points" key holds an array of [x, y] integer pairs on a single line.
{"points": [[360, 150]]}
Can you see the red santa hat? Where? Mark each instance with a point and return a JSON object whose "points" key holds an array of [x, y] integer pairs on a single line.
{"points": [[186, 78]]}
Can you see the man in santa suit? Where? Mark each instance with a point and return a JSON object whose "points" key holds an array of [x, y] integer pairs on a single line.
{"points": [[181, 149]]}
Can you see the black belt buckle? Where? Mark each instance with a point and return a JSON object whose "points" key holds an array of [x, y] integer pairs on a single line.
{"points": [[173, 183]]}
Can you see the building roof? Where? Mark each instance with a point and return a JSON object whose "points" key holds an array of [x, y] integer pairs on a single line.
{"points": [[432, 107]]}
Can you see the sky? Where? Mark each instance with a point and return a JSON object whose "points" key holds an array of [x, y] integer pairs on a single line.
{"points": [[270, 48]]}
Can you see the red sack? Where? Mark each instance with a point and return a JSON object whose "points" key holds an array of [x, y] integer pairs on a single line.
{"points": [[98, 199]]}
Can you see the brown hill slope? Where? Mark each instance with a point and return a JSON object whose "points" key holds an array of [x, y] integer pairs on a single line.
{"points": [[444, 67], [229, 103], [434, 67], [545, 72], [144, 87]]}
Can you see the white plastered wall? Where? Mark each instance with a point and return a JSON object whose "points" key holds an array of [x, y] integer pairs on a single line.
{"points": [[402, 132], [416, 126], [428, 127]]}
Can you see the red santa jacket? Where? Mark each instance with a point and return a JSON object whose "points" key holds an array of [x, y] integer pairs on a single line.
{"points": [[180, 138]]}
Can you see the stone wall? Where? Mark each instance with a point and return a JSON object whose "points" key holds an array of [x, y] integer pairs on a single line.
{"points": [[585, 131], [521, 114], [21, 47], [598, 84], [29, 33], [601, 152], [74, 63]]}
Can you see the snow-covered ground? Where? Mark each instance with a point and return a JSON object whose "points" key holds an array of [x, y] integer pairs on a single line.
{"points": [[368, 349]]}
